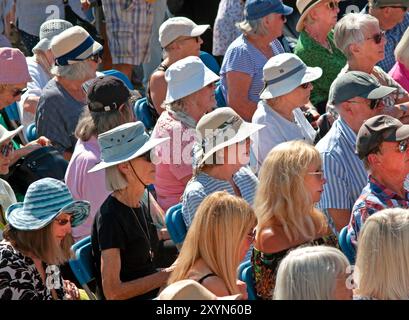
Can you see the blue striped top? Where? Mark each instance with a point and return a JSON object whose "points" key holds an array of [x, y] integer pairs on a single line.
{"points": [[203, 185], [344, 171], [242, 56]]}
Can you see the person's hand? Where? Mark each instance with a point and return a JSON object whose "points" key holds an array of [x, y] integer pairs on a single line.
{"points": [[71, 291], [85, 5], [163, 234], [243, 289]]}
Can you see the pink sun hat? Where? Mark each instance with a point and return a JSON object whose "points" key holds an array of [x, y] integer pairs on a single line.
{"points": [[13, 66]]}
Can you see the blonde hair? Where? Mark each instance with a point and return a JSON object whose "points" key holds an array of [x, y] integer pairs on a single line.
{"points": [[310, 273], [382, 264], [40, 243], [402, 49], [282, 197], [221, 223], [253, 27]]}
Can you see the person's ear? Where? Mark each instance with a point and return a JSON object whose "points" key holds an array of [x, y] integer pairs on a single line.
{"points": [[346, 107], [354, 48], [373, 160], [124, 168]]}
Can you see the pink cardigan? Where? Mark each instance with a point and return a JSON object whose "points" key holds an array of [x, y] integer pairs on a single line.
{"points": [[400, 74]]}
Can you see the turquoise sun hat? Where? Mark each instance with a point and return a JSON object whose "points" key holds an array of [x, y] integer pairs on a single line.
{"points": [[44, 201]]}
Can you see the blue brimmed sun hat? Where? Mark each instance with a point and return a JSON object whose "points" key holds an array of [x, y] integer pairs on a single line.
{"points": [[124, 143], [257, 9], [44, 201]]}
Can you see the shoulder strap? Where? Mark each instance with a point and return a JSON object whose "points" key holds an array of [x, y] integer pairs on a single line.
{"points": [[205, 277]]}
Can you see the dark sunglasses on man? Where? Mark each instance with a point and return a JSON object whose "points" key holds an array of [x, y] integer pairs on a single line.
{"points": [[19, 92]]}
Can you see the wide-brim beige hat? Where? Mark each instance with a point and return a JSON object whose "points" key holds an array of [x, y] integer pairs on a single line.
{"points": [[305, 6], [6, 134]]}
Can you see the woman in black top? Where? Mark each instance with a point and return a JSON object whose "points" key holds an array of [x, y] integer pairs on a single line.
{"points": [[124, 238]]}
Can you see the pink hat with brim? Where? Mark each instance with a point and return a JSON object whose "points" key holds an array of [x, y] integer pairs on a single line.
{"points": [[13, 66]]}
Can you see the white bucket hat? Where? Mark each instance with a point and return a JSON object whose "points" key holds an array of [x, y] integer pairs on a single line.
{"points": [[285, 72], [48, 30], [176, 27], [187, 76], [305, 6], [73, 45], [6, 135], [221, 128]]}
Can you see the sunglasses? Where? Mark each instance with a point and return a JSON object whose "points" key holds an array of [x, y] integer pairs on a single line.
{"points": [[332, 5], [95, 57], [305, 85], [319, 174], [373, 104], [403, 146], [403, 8], [377, 38], [63, 222], [18, 92], [6, 149]]}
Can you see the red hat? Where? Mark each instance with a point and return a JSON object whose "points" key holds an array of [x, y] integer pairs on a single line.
{"points": [[13, 66]]}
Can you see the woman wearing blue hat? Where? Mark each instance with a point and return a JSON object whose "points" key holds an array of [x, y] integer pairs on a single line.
{"points": [[124, 239], [37, 239]]}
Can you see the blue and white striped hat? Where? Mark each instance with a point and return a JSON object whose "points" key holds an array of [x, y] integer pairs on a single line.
{"points": [[44, 201]]}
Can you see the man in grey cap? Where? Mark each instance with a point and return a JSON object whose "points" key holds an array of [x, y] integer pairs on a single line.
{"points": [[357, 97], [382, 144]]}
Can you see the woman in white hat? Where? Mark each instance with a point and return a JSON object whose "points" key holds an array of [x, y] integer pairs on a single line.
{"points": [[221, 156], [180, 38], [39, 66], [124, 238], [287, 87], [315, 45], [37, 239], [190, 94]]}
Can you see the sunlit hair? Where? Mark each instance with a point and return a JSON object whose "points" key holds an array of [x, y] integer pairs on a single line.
{"points": [[41, 58], [78, 71], [114, 179], [219, 227], [310, 273], [402, 49], [282, 197], [94, 123], [40, 243], [382, 264], [253, 27], [352, 29]]}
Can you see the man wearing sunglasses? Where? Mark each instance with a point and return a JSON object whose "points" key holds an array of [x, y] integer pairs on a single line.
{"points": [[382, 144], [394, 20], [356, 96]]}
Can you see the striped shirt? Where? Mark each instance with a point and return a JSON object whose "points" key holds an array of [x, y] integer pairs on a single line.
{"points": [[203, 185], [344, 171], [242, 56]]}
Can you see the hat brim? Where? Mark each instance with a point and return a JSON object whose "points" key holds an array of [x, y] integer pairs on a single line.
{"points": [[379, 93], [246, 130], [183, 89], [10, 134], [401, 133], [199, 30], [21, 220], [288, 85], [43, 45], [95, 48], [300, 24], [149, 145]]}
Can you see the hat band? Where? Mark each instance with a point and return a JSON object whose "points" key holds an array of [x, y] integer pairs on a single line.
{"points": [[233, 122], [285, 76], [73, 54], [309, 5]]}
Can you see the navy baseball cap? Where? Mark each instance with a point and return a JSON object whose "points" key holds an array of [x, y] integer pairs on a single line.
{"points": [[256, 9]]}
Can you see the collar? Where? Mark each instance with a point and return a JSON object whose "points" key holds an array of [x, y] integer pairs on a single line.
{"points": [[383, 192], [349, 134]]}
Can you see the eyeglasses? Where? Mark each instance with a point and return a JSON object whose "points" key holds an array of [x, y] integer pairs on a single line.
{"points": [[332, 5], [403, 146], [18, 92], [377, 38], [284, 18], [95, 57], [147, 156], [251, 235], [305, 85], [63, 222], [373, 104], [189, 38], [403, 8], [6, 149], [319, 174]]}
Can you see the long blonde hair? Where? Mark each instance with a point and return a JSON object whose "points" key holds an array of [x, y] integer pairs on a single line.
{"points": [[382, 264], [282, 196], [216, 234]]}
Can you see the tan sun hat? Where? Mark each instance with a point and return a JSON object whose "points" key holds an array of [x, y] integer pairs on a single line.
{"points": [[304, 6], [73, 45]]}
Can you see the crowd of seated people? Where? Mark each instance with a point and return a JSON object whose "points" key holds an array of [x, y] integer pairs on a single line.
{"points": [[303, 172]]}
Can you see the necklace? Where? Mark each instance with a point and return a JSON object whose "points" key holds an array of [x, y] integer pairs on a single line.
{"points": [[146, 234]]}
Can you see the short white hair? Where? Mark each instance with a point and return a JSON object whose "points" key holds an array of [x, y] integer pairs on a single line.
{"points": [[77, 71], [252, 27], [351, 29], [114, 179], [310, 273]]}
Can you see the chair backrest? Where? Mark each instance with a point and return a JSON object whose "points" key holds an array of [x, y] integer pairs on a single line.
{"points": [[218, 94], [246, 274], [31, 132], [142, 113], [175, 224], [120, 75], [346, 245], [82, 264], [12, 112], [210, 61]]}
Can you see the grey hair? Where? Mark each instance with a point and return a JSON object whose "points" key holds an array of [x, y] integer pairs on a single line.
{"points": [[402, 49], [310, 273], [176, 106], [94, 123], [114, 179], [352, 29], [77, 71], [252, 27]]}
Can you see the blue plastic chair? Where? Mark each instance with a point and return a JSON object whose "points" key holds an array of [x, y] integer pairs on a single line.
{"points": [[346, 245], [246, 274], [175, 224], [220, 101], [210, 61], [31, 132], [120, 75], [142, 113], [82, 264], [12, 112]]}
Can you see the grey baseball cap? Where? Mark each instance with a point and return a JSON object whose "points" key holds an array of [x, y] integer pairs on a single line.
{"points": [[378, 129], [390, 3], [357, 84]]}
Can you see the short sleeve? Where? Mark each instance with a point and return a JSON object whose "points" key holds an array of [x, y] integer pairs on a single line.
{"points": [[239, 59], [110, 232], [191, 201]]}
